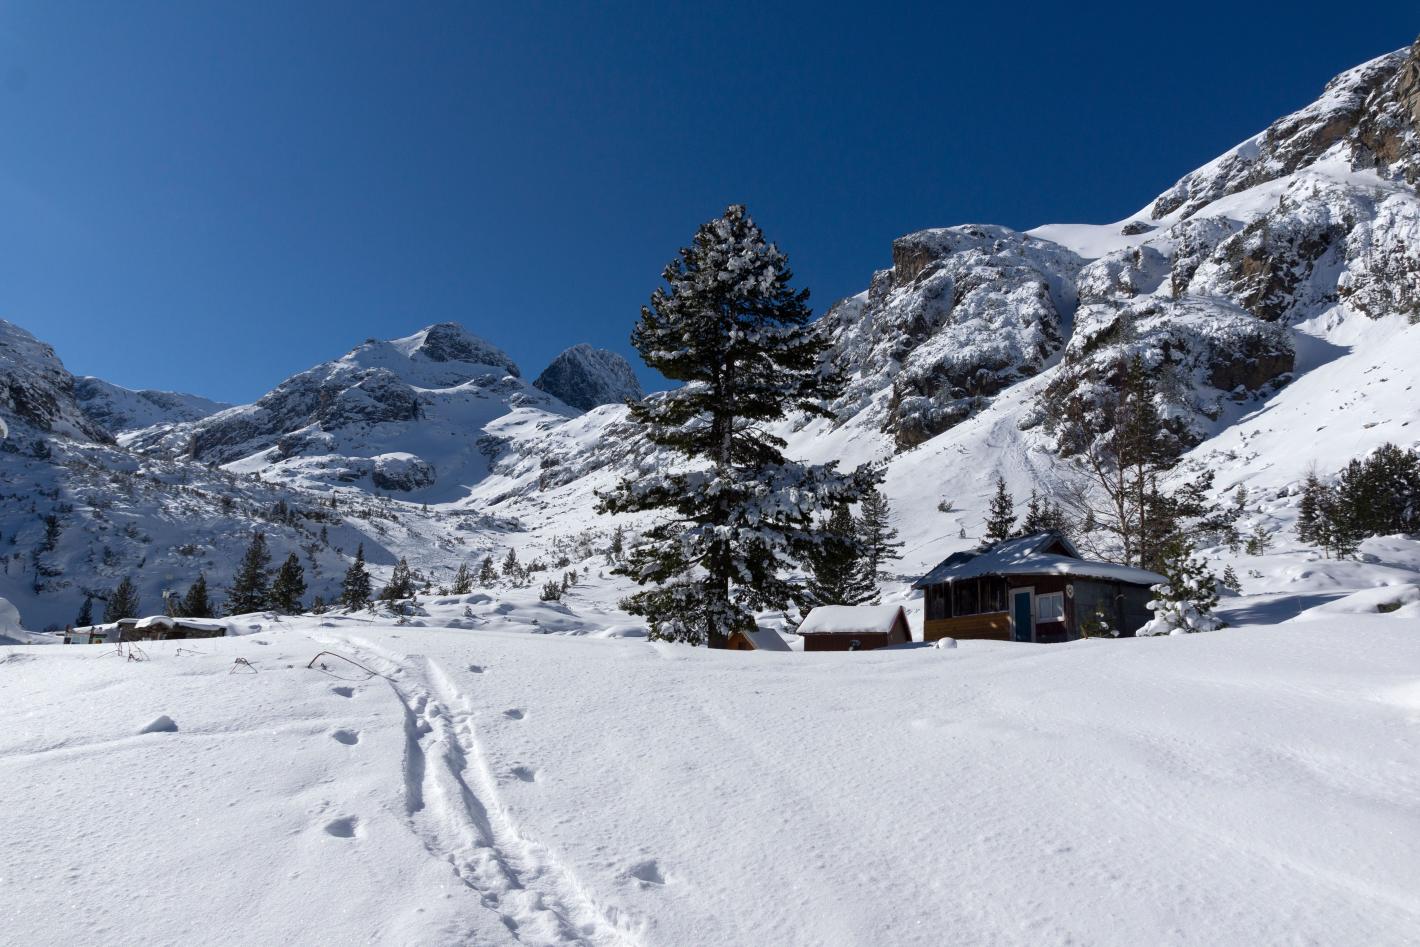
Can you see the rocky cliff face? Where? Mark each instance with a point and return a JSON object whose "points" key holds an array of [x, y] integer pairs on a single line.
{"points": [[37, 392], [963, 313], [1317, 211], [585, 378]]}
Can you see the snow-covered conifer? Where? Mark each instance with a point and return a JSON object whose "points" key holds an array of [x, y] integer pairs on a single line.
{"points": [[876, 532], [1185, 602], [838, 567], [401, 584], [1002, 516], [731, 327], [355, 587], [463, 581]]}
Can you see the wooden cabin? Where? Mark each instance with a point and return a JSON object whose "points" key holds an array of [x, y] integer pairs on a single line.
{"points": [[761, 639], [163, 628], [854, 627], [1035, 588]]}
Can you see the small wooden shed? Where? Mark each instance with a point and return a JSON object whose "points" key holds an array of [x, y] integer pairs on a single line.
{"points": [[1035, 588], [854, 627], [761, 639], [163, 628]]}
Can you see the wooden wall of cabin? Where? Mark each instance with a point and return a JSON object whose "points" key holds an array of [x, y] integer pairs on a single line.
{"points": [[867, 641]]}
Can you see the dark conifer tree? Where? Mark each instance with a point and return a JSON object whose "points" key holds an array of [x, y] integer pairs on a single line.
{"points": [[86, 613], [838, 571], [401, 584], [355, 587], [512, 569], [251, 586], [1002, 516], [463, 581], [122, 601], [289, 587], [875, 531], [195, 604], [731, 327], [1309, 511], [487, 574]]}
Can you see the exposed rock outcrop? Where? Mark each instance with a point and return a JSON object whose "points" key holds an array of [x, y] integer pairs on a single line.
{"points": [[585, 378]]}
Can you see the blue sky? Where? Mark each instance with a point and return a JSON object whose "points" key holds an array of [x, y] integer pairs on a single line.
{"points": [[211, 196]]}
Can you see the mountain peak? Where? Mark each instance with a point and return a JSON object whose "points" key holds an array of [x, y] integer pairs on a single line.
{"points": [[451, 342], [585, 377]]}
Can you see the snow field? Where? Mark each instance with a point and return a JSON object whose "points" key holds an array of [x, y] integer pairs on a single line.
{"points": [[1254, 785]]}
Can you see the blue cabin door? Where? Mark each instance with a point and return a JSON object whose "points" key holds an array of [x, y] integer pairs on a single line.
{"points": [[1022, 615]]}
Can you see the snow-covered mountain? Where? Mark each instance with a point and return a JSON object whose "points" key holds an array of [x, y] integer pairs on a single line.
{"points": [[585, 378], [410, 416], [1275, 292], [120, 410], [37, 394]]}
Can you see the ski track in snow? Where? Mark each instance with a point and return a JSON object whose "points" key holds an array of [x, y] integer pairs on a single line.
{"points": [[453, 804]]}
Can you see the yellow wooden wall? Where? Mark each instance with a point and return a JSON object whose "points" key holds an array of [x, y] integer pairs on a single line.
{"points": [[989, 625]]}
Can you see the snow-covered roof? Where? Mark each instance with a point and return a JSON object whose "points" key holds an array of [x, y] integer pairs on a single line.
{"points": [[767, 639], [846, 619], [1046, 553], [163, 621]]}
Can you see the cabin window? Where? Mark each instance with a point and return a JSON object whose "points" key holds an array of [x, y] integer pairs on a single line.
{"points": [[939, 602], [964, 601], [1050, 607], [993, 594]]}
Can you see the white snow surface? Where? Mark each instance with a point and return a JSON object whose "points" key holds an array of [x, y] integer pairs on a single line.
{"points": [[489, 785]]}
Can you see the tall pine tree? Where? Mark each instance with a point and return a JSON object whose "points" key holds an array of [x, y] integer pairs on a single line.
{"points": [[195, 604], [487, 574], [837, 566], [875, 531], [731, 327], [289, 587], [251, 586], [355, 587], [122, 601]]}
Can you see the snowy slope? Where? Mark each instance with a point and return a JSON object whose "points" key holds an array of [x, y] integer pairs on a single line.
{"points": [[121, 410], [493, 786]]}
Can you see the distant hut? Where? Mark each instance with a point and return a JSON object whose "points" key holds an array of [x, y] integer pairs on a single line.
{"points": [[1036, 588], [163, 628], [761, 639], [854, 627]]}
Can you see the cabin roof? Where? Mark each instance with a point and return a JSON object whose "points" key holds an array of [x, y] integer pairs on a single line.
{"points": [[1047, 553], [847, 619], [767, 639], [163, 621]]}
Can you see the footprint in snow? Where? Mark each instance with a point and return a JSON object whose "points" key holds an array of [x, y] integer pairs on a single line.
{"points": [[343, 828], [647, 873], [475, 669], [514, 714], [526, 773], [348, 737], [343, 691]]}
